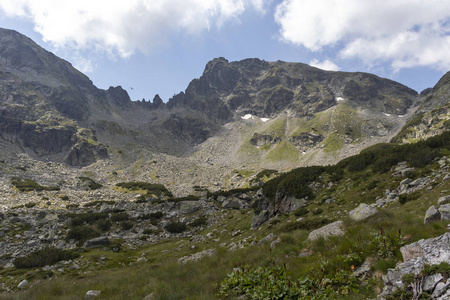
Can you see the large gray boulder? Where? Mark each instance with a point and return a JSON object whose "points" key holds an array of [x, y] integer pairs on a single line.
{"points": [[444, 210], [444, 200], [431, 252], [333, 229], [234, 203], [362, 212], [432, 215]]}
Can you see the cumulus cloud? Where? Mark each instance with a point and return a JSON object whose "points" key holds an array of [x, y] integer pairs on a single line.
{"points": [[406, 33], [122, 27], [327, 65]]}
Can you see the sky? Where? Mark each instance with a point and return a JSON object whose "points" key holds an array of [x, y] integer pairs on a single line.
{"points": [[158, 46]]}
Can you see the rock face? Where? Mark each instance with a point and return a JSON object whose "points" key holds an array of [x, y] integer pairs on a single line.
{"points": [[415, 256]]}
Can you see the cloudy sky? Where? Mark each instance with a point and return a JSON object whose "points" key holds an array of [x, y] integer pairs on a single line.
{"points": [[159, 46]]}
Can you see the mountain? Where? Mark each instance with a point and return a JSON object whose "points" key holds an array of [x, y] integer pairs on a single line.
{"points": [[261, 180], [236, 119]]}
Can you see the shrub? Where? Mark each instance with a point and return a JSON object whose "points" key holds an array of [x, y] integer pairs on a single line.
{"points": [[27, 185], [43, 257], [30, 204], [104, 224], [176, 227], [186, 198], [122, 216], [301, 211], [126, 225], [82, 233], [92, 185], [202, 221], [151, 188], [89, 218]]}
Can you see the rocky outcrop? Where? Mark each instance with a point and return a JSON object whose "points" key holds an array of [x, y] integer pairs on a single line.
{"points": [[362, 212], [304, 141], [260, 139], [415, 256]]}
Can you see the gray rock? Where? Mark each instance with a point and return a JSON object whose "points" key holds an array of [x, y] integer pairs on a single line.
{"points": [[92, 294], [416, 182], [261, 218], [333, 229], [431, 251], [444, 200], [270, 237], [196, 256], [187, 207], [233, 203], [362, 212], [97, 242], [441, 291], [406, 181], [22, 284], [444, 210], [432, 215], [431, 281]]}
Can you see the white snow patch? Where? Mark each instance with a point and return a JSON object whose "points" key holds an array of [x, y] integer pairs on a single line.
{"points": [[265, 119], [388, 115], [400, 116], [339, 99]]}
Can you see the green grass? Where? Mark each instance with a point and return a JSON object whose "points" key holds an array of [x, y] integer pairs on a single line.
{"points": [[283, 151]]}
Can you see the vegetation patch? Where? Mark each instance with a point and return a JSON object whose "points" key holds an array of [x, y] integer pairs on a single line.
{"points": [[46, 256], [92, 185], [308, 224], [176, 227], [28, 185]]}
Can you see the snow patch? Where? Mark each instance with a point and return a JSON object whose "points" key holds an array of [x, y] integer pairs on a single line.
{"points": [[265, 119], [387, 115], [339, 99], [400, 116]]}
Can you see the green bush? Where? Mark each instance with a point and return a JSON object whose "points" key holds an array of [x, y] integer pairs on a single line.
{"points": [[82, 233], [122, 216], [27, 185], [126, 225], [104, 225], [301, 211], [86, 218], [202, 221], [30, 204], [176, 227], [91, 183], [151, 188], [43, 257]]}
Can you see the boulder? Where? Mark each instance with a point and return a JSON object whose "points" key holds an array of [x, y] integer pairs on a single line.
{"points": [[333, 229], [261, 218], [22, 284], [196, 256], [97, 242], [444, 200], [362, 212], [233, 203], [92, 294], [187, 207], [432, 215], [431, 252], [444, 210]]}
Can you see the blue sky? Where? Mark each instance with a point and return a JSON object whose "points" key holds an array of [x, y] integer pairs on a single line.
{"points": [[157, 47]]}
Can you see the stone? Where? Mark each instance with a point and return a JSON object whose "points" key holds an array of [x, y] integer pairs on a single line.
{"points": [[431, 252], [406, 181], [233, 203], [196, 256], [431, 281], [432, 215], [259, 219], [270, 237], [22, 284], [97, 242], [92, 294], [187, 207], [444, 210], [362, 212], [444, 200], [333, 229]]}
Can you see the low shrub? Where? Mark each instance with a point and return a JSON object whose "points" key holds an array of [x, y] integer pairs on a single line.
{"points": [[301, 211], [44, 257], [176, 227], [202, 221], [122, 216], [104, 225], [30, 204], [27, 185], [82, 233], [126, 225], [308, 224]]}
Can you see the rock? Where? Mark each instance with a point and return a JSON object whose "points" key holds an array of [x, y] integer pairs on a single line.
{"points": [[22, 284], [444, 210], [196, 256], [92, 294], [270, 237], [444, 200], [447, 177], [416, 182], [431, 281], [259, 219], [233, 203], [432, 215], [362, 212], [406, 181], [187, 207], [333, 229], [97, 242], [431, 251]]}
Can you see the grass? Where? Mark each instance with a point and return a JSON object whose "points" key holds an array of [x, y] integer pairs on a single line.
{"points": [[283, 151]]}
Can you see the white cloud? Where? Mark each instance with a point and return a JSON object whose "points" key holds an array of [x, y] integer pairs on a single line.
{"points": [[327, 65], [122, 27], [405, 33]]}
